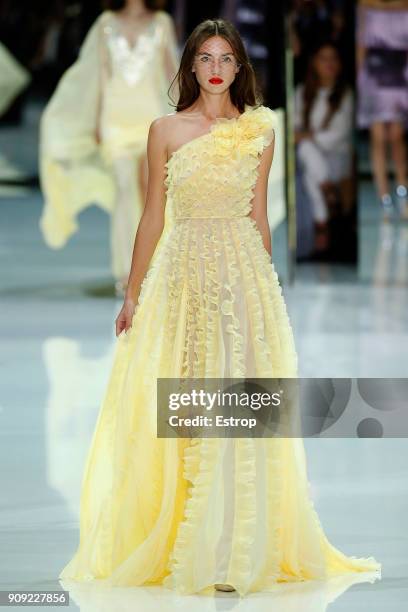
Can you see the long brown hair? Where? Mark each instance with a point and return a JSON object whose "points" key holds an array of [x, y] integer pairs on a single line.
{"points": [[117, 5], [243, 90], [311, 87]]}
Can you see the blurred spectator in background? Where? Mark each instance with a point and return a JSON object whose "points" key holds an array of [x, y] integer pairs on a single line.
{"points": [[94, 129], [382, 63], [323, 134], [314, 22]]}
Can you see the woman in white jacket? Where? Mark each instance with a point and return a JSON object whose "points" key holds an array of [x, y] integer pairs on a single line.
{"points": [[323, 131]]}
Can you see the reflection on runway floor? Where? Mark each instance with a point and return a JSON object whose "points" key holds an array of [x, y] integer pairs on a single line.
{"points": [[383, 245], [314, 596]]}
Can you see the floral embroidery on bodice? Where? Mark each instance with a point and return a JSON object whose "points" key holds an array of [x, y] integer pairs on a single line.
{"points": [[133, 62], [213, 175]]}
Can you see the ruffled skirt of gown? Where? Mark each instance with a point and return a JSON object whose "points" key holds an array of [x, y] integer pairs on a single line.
{"points": [[189, 514]]}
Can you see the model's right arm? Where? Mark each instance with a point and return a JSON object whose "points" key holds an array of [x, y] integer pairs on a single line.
{"points": [[151, 223]]}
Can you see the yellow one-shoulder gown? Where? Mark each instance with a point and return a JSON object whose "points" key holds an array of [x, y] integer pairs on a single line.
{"points": [[188, 514]]}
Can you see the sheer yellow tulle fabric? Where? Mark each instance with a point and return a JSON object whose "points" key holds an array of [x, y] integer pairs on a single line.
{"points": [[189, 514]]}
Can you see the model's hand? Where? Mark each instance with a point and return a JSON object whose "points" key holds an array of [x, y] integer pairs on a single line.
{"points": [[124, 318]]}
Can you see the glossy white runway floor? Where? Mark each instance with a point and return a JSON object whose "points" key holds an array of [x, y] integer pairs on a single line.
{"points": [[57, 335]]}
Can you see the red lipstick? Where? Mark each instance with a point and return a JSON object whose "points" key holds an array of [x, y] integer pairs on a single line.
{"points": [[216, 80]]}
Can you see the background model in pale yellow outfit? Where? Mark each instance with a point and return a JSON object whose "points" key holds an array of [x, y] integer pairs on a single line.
{"points": [[94, 130]]}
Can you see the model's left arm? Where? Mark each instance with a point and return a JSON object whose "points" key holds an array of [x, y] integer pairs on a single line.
{"points": [[259, 210]]}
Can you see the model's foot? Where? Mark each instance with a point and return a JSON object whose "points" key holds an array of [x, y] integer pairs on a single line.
{"points": [[387, 206], [224, 587]]}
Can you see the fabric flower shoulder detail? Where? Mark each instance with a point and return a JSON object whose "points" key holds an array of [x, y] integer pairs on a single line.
{"points": [[249, 134]]}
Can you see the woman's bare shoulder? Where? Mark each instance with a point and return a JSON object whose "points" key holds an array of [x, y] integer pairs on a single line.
{"points": [[173, 129], [165, 125]]}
